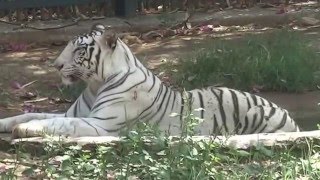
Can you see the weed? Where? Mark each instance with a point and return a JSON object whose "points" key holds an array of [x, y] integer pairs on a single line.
{"points": [[166, 19]]}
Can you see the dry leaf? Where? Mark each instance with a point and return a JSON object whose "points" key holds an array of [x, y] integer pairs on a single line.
{"points": [[28, 95], [15, 85]]}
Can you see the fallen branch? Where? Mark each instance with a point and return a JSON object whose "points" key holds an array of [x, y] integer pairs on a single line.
{"points": [[36, 100], [309, 27], [28, 84], [11, 23], [26, 26], [183, 23], [245, 142], [14, 109], [51, 28], [79, 14], [19, 163]]}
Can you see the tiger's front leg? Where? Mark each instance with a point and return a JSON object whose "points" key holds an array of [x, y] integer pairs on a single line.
{"points": [[104, 121], [7, 124], [65, 126], [80, 108]]}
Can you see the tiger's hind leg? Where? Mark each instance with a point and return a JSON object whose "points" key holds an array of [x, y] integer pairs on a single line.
{"points": [[7, 124], [266, 119]]}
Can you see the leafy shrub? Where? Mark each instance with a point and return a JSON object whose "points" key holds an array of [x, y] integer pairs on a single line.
{"points": [[280, 61]]}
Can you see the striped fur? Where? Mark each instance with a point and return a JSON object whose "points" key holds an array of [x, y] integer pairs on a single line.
{"points": [[121, 91]]}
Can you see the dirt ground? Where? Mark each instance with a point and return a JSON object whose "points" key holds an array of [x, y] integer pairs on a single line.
{"points": [[35, 66]]}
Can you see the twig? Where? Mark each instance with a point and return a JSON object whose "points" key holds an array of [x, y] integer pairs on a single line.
{"points": [[26, 26], [12, 108], [11, 23], [228, 3], [36, 100], [312, 27], [18, 162], [28, 84], [244, 142], [174, 11], [97, 18], [79, 14], [183, 23], [51, 28], [128, 23]]}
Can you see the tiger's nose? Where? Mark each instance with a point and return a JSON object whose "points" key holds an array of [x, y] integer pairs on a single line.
{"points": [[58, 66]]}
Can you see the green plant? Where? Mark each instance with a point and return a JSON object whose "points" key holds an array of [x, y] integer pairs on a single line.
{"points": [[72, 92], [166, 19], [281, 61], [145, 152]]}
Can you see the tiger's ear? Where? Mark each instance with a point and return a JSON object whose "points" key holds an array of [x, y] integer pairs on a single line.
{"points": [[111, 39]]}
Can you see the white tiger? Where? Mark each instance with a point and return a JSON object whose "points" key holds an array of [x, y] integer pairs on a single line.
{"points": [[121, 91]]}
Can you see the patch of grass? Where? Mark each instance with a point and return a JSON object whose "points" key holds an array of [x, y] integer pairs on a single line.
{"points": [[167, 19], [278, 61], [146, 153]]}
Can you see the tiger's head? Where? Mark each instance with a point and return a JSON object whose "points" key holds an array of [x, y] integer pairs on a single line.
{"points": [[81, 58]]}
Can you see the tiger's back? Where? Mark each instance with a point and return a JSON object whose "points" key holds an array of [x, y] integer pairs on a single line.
{"points": [[229, 111]]}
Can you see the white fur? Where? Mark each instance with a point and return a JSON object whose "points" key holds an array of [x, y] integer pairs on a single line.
{"points": [[121, 92]]}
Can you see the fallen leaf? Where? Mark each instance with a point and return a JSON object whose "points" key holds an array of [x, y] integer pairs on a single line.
{"points": [[29, 108], [309, 21], [44, 57], [111, 176], [3, 168], [191, 78], [17, 47], [206, 28], [282, 9], [58, 100], [257, 88], [28, 95], [15, 85]]}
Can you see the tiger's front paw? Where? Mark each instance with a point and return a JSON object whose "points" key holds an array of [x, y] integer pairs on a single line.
{"points": [[29, 129], [7, 124]]}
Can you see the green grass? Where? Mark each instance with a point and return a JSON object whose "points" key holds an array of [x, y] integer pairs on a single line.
{"points": [[278, 61], [145, 153]]}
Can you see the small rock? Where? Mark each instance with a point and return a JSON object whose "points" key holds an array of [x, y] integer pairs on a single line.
{"points": [[309, 21]]}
